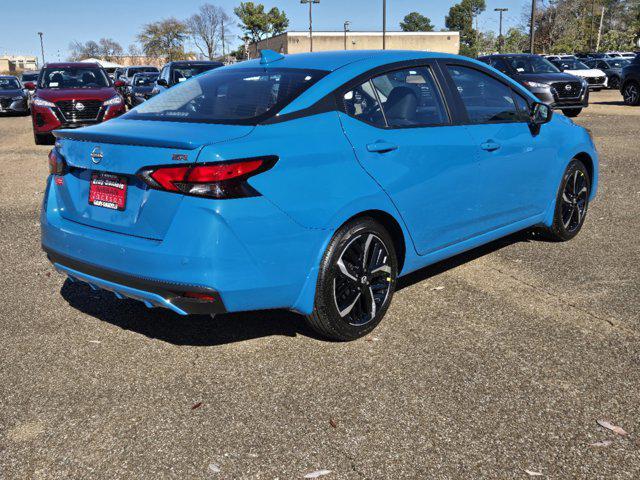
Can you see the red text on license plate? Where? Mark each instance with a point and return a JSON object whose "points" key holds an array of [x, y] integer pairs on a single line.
{"points": [[108, 191]]}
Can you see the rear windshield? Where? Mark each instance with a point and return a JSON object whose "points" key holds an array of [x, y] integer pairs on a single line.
{"points": [[73, 78], [29, 77], [9, 84], [233, 96]]}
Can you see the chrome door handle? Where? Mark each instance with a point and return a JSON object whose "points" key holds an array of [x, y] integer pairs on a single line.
{"points": [[381, 147]]}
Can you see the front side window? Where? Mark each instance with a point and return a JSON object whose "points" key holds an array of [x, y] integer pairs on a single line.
{"points": [[499, 64], [73, 78], [485, 99], [231, 96]]}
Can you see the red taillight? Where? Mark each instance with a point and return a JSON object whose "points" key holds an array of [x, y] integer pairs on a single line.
{"points": [[217, 180], [56, 162]]}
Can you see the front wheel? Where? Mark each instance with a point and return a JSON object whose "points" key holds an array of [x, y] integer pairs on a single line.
{"points": [[356, 281], [572, 202], [631, 94], [571, 112]]}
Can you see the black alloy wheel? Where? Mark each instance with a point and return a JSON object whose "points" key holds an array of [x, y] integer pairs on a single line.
{"points": [[356, 281], [572, 202], [631, 94]]}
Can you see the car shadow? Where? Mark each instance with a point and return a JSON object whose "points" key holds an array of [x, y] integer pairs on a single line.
{"points": [[202, 330], [619, 103]]}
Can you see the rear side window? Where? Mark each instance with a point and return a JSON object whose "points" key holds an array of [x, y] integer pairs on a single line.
{"points": [[233, 96], [485, 99], [362, 103], [410, 98]]}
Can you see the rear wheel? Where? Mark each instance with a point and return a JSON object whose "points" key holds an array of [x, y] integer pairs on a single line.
{"points": [[572, 202], [631, 94], [572, 112], [356, 281], [43, 139]]}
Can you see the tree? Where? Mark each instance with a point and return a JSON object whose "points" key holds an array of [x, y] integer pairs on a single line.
{"points": [[80, 51], [164, 39], [416, 22], [516, 41], [258, 24], [460, 18], [206, 29], [109, 49]]}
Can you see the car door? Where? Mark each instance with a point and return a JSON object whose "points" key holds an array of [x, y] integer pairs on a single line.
{"points": [[403, 135], [515, 160]]}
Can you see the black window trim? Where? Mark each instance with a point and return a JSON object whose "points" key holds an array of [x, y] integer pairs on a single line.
{"points": [[369, 75], [460, 107]]}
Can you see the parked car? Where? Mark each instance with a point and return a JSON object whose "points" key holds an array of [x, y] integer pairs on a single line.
{"points": [[310, 182], [13, 99], [553, 87], [596, 78], [630, 82], [71, 95], [29, 76], [128, 72], [140, 89], [176, 72], [612, 67]]}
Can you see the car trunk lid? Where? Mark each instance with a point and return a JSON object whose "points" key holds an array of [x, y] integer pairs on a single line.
{"points": [[119, 153]]}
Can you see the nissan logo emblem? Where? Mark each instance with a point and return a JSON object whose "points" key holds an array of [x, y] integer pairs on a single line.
{"points": [[567, 87], [79, 106], [96, 155]]}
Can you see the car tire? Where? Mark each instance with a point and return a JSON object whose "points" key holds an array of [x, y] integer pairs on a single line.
{"points": [[571, 112], [44, 139], [631, 93], [356, 281], [572, 202]]}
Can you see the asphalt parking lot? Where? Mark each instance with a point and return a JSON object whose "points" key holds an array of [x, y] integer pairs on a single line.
{"points": [[489, 365]]}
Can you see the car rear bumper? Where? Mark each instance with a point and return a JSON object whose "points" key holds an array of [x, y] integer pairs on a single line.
{"points": [[152, 293], [247, 251]]}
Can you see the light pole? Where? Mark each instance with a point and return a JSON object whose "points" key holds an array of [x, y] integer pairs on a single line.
{"points": [[384, 24], [41, 47], [346, 29], [500, 39], [310, 2], [532, 31]]}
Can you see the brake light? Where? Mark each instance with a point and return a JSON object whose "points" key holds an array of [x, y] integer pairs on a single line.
{"points": [[216, 180], [56, 162]]}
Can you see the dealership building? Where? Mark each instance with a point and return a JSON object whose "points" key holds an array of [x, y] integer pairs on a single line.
{"points": [[18, 63], [298, 42]]}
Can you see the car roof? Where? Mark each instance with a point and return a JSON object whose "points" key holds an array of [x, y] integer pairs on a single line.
{"points": [[194, 62], [140, 66], [333, 60], [9, 76], [72, 65]]}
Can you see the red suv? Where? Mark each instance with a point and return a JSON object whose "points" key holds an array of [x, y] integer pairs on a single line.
{"points": [[71, 95]]}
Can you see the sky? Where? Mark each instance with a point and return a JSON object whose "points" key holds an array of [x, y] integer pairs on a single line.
{"points": [[63, 21]]}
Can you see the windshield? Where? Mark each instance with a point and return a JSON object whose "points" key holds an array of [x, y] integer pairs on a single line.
{"points": [[132, 71], [572, 65], [182, 73], [144, 80], [9, 84], [232, 96], [533, 64], [74, 78], [29, 77], [618, 63]]}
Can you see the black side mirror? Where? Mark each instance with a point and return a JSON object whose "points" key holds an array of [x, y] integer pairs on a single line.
{"points": [[540, 114], [162, 82]]}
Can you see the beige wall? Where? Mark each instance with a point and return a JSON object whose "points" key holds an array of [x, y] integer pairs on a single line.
{"points": [[17, 63], [298, 42]]}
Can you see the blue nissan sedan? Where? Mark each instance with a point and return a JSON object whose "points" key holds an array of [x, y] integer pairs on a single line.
{"points": [[310, 182]]}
